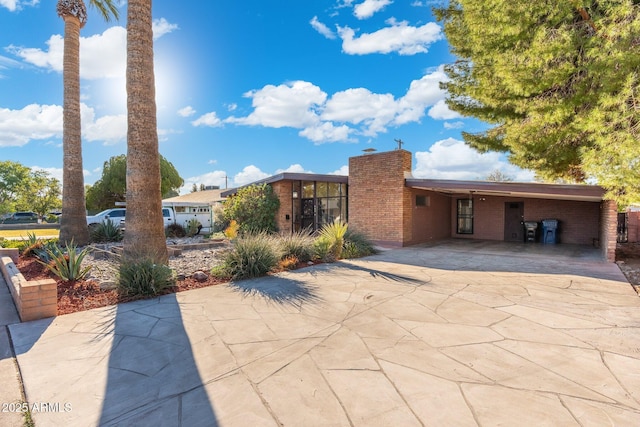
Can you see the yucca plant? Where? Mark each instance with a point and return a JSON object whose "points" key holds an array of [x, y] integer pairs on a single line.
{"points": [[193, 227], [107, 231], [67, 264], [144, 278], [334, 234]]}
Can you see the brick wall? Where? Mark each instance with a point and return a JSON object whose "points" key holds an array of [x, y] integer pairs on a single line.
{"points": [[431, 222], [380, 206], [608, 229], [633, 231], [36, 299], [283, 190], [579, 222]]}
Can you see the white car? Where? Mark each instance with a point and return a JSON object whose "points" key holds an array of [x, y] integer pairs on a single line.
{"points": [[115, 215]]}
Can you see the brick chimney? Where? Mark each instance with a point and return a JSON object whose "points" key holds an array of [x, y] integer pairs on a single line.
{"points": [[379, 202]]}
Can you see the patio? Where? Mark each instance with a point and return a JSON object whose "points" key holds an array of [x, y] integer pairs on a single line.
{"points": [[459, 333]]}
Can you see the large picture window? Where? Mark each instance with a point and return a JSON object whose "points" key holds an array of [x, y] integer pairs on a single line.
{"points": [[465, 216]]}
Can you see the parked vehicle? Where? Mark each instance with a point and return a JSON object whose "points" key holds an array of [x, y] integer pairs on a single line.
{"points": [[118, 216], [115, 215], [20, 218]]}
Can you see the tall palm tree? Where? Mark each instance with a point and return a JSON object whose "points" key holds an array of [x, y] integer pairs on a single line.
{"points": [[73, 222], [144, 235]]}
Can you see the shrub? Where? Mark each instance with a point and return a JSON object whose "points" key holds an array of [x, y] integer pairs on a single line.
{"points": [[67, 264], [220, 220], [193, 227], [231, 232], [254, 208], [253, 255], [322, 249], [356, 245], [299, 245], [144, 278], [334, 234], [29, 245], [175, 230], [106, 231], [288, 262]]}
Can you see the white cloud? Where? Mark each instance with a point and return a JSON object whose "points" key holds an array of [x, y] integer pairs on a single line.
{"points": [[398, 37], [210, 119], [53, 172], [327, 132], [440, 111], [356, 111], [290, 105], [344, 170], [109, 129], [212, 162], [296, 168], [37, 122], [453, 125], [161, 27], [14, 5], [18, 127], [374, 111], [218, 178], [248, 175], [101, 55], [232, 107], [322, 28], [368, 8], [186, 111], [453, 159]]}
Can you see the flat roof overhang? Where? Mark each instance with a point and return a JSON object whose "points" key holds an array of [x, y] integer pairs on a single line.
{"points": [[533, 190], [292, 176]]}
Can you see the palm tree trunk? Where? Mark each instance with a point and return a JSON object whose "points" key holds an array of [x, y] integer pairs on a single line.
{"points": [[144, 235], [73, 222]]}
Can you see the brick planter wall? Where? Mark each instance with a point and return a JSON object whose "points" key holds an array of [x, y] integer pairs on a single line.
{"points": [[36, 299]]}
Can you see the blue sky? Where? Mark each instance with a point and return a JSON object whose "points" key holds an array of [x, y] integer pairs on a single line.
{"points": [[245, 89]]}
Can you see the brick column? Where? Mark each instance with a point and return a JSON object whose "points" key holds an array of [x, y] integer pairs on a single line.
{"points": [[608, 229], [379, 202]]}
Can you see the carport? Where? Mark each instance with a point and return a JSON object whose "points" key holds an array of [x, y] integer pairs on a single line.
{"points": [[497, 211]]}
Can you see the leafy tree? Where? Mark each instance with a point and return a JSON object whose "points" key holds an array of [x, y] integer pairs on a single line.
{"points": [[112, 186], [13, 177], [498, 176], [73, 224], [40, 194], [558, 80], [254, 208]]}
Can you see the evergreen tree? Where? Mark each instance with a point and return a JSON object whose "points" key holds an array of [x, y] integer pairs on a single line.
{"points": [[558, 80]]}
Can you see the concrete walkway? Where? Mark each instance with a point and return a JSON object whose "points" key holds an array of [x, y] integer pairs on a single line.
{"points": [[449, 335]]}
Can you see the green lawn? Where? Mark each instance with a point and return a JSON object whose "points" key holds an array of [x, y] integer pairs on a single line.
{"points": [[42, 232]]}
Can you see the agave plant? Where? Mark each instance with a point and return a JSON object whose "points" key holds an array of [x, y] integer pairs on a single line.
{"points": [[67, 264]]}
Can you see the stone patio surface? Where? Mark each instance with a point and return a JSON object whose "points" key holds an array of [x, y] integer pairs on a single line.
{"points": [[455, 334]]}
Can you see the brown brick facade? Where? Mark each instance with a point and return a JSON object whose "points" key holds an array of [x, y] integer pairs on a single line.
{"points": [[608, 229], [283, 217], [380, 205]]}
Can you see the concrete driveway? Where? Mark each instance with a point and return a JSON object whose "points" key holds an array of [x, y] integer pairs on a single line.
{"points": [[457, 334]]}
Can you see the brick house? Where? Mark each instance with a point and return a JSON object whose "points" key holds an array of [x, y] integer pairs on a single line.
{"points": [[382, 200]]}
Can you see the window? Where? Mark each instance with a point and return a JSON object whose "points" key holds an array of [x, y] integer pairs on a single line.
{"points": [[422, 200], [465, 216]]}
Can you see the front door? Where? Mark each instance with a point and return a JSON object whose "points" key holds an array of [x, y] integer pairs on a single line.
{"points": [[513, 222], [308, 214]]}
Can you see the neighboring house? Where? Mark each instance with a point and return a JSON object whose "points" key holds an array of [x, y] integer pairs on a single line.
{"points": [[197, 205], [381, 199]]}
